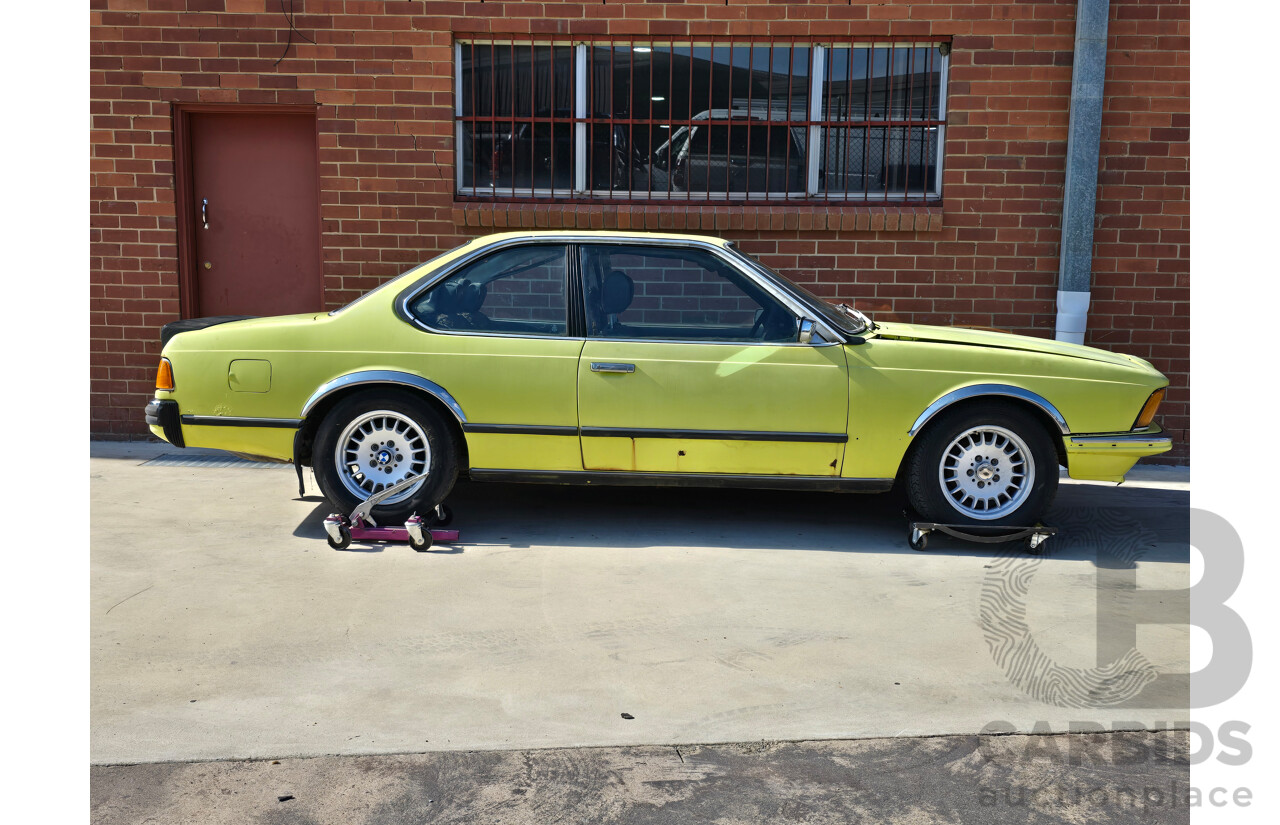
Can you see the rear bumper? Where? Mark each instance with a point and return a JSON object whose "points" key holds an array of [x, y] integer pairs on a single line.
{"points": [[1108, 456], [162, 417]]}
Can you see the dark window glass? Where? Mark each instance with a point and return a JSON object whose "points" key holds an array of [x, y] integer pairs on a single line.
{"points": [[714, 122], [872, 100], [517, 291], [729, 89], [504, 88], [677, 294], [880, 160]]}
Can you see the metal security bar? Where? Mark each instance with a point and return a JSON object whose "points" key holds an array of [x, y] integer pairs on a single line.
{"points": [[722, 121]]}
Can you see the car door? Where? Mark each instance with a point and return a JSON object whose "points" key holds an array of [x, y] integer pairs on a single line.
{"points": [[690, 366]]}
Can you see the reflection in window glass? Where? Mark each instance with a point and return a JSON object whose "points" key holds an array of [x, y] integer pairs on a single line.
{"points": [[710, 121], [729, 90], [504, 88], [866, 94], [677, 294], [517, 291]]}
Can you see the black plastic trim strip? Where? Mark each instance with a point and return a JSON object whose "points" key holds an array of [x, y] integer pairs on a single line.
{"points": [[519, 429], [229, 421], [574, 293], [714, 435], [833, 484]]}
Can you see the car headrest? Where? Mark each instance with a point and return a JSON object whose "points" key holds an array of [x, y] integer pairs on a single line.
{"points": [[445, 297], [471, 296], [616, 292]]}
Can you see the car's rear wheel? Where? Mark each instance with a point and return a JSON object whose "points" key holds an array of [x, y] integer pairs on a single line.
{"points": [[374, 440], [988, 464]]}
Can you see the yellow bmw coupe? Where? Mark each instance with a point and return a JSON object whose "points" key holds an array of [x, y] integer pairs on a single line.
{"points": [[649, 359]]}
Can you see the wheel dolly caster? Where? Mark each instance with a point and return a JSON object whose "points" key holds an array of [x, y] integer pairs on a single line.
{"points": [[420, 533]]}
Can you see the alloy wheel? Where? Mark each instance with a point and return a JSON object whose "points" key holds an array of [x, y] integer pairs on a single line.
{"points": [[986, 472], [379, 449]]}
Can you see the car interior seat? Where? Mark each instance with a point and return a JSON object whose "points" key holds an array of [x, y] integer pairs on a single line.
{"points": [[616, 293], [470, 297]]}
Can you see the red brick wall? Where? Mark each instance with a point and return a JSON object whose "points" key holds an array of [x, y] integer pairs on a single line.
{"points": [[381, 75]]}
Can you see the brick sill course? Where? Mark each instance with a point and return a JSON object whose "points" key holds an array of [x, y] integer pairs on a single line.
{"points": [[693, 216]]}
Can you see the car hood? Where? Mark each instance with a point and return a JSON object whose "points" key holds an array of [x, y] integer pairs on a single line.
{"points": [[1002, 340]]}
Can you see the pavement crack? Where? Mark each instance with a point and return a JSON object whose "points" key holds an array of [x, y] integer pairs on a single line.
{"points": [[679, 754], [127, 598]]}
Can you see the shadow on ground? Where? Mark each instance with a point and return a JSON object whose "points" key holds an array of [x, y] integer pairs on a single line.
{"points": [[525, 515]]}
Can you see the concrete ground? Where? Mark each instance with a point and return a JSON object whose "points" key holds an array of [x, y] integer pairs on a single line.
{"points": [[225, 628], [967, 780]]}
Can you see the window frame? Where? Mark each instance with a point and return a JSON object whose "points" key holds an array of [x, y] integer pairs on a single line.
{"points": [[826, 334], [815, 125], [571, 299], [676, 251]]}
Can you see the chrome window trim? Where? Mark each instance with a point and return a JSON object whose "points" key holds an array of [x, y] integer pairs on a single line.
{"points": [[720, 250], [406, 379], [976, 390], [432, 278]]}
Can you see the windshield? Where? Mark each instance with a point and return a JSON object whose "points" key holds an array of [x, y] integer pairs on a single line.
{"points": [[841, 316]]}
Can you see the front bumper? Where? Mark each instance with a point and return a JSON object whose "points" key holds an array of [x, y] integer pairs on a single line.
{"points": [[162, 417], [1108, 456]]}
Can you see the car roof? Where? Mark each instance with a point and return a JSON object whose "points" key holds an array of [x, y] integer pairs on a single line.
{"points": [[601, 234]]}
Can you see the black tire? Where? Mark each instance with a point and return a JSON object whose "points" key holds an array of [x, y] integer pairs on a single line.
{"points": [[925, 488], [344, 539], [918, 544], [425, 544], [441, 470]]}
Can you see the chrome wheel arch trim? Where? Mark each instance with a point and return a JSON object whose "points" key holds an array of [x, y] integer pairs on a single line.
{"points": [[979, 390], [394, 377]]}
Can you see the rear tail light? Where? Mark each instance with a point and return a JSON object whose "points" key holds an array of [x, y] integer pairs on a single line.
{"points": [[1149, 410], [164, 375]]}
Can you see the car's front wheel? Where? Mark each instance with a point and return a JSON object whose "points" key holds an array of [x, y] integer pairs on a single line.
{"points": [[988, 464], [374, 440]]}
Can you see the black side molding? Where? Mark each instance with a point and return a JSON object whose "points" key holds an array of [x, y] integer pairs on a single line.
{"points": [[831, 484]]}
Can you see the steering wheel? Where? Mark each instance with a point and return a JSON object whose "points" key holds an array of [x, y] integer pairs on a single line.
{"points": [[757, 329]]}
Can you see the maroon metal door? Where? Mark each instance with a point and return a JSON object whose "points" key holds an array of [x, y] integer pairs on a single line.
{"points": [[255, 213]]}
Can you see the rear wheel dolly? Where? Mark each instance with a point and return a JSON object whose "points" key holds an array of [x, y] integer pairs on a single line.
{"points": [[420, 533]]}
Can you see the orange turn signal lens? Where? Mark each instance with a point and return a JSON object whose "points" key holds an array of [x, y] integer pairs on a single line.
{"points": [[164, 375], [1149, 410]]}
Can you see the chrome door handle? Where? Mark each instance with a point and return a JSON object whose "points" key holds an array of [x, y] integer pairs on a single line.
{"points": [[204, 212], [604, 366]]}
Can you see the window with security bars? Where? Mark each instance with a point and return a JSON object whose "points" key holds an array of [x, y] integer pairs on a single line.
{"points": [[717, 122]]}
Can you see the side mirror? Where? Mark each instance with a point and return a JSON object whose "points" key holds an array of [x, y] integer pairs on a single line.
{"points": [[806, 331]]}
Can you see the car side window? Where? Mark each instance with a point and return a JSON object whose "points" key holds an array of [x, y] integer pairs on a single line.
{"points": [[679, 295], [515, 291]]}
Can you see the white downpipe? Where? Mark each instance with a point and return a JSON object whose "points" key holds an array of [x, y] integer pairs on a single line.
{"points": [[1073, 314]]}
